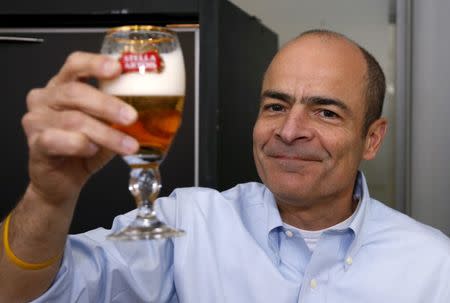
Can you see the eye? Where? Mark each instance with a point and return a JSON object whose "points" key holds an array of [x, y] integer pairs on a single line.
{"points": [[328, 114], [274, 107]]}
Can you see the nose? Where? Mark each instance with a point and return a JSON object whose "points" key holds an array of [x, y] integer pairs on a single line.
{"points": [[295, 126]]}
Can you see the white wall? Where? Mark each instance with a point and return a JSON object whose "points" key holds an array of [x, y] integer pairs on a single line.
{"points": [[430, 133], [359, 18]]}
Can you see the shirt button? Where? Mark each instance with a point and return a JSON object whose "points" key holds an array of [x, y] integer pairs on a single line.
{"points": [[349, 260], [313, 283], [289, 233]]}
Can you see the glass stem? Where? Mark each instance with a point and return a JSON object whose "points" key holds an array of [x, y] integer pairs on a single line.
{"points": [[145, 184]]}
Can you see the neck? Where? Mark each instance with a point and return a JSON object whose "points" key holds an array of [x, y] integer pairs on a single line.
{"points": [[316, 216]]}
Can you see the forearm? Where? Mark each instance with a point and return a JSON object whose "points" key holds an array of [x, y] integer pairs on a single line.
{"points": [[37, 232]]}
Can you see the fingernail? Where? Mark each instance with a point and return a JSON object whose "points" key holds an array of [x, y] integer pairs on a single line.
{"points": [[127, 114], [110, 67], [129, 144]]}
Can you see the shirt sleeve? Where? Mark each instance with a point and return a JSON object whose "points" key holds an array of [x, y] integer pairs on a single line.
{"points": [[95, 269]]}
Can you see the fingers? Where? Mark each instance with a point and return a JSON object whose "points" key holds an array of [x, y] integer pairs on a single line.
{"points": [[71, 133], [81, 65], [84, 98], [66, 91], [57, 142], [71, 118]]}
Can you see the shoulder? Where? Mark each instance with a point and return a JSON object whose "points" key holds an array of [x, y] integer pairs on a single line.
{"points": [[241, 192], [201, 201], [389, 224]]}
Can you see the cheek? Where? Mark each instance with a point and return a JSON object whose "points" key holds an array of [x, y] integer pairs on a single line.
{"points": [[336, 143], [261, 134], [346, 149]]}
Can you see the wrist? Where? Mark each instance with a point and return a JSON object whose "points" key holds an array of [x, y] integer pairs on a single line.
{"points": [[16, 260], [49, 203], [37, 229]]}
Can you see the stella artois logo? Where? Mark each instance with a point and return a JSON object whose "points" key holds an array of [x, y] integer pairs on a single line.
{"points": [[149, 62]]}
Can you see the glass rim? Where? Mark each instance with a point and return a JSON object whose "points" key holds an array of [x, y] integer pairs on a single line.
{"points": [[128, 28]]}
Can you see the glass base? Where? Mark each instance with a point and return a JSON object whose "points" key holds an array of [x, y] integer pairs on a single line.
{"points": [[146, 228], [144, 184], [156, 231]]}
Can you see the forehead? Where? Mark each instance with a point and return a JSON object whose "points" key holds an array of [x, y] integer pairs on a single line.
{"points": [[327, 66]]}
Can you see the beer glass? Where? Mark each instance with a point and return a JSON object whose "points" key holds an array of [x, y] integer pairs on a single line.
{"points": [[153, 82]]}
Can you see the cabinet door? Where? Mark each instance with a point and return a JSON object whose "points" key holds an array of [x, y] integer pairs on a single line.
{"points": [[26, 65]]}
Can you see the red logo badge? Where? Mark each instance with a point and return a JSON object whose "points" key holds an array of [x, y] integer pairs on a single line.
{"points": [[149, 62]]}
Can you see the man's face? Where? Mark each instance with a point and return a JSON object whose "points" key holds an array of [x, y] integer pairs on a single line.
{"points": [[307, 140]]}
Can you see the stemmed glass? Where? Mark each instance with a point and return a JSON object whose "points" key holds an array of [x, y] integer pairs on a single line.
{"points": [[153, 82]]}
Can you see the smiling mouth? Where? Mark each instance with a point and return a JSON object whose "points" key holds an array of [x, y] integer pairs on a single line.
{"points": [[292, 164], [294, 158], [294, 153]]}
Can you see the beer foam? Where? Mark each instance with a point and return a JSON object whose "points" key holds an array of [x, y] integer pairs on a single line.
{"points": [[170, 82]]}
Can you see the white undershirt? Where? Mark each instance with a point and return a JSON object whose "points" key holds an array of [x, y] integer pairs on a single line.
{"points": [[312, 237]]}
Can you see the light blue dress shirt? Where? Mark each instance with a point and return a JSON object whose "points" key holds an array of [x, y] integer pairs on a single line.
{"points": [[237, 250]]}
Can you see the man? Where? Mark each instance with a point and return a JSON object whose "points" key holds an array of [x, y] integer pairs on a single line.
{"points": [[311, 233]]}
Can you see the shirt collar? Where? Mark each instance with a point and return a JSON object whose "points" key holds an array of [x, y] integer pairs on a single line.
{"points": [[361, 193], [273, 214], [273, 225], [357, 224]]}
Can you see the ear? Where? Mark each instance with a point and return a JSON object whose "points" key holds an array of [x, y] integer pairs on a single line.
{"points": [[374, 138]]}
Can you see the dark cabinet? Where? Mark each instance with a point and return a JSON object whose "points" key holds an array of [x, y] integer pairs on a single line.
{"points": [[226, 52]]}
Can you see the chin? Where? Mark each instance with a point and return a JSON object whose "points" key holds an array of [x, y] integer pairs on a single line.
{"points": [[292, 196], [292, 187]]}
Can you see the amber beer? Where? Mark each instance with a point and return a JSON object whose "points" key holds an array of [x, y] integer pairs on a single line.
{"points": [[159, 118], [157, 94]]}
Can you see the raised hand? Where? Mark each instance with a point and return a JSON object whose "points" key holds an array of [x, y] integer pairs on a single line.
{"points": [[68, 127]]}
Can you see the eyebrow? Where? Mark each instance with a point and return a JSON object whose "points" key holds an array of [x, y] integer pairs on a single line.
{"points": [[277, 95], [311, 100]]}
